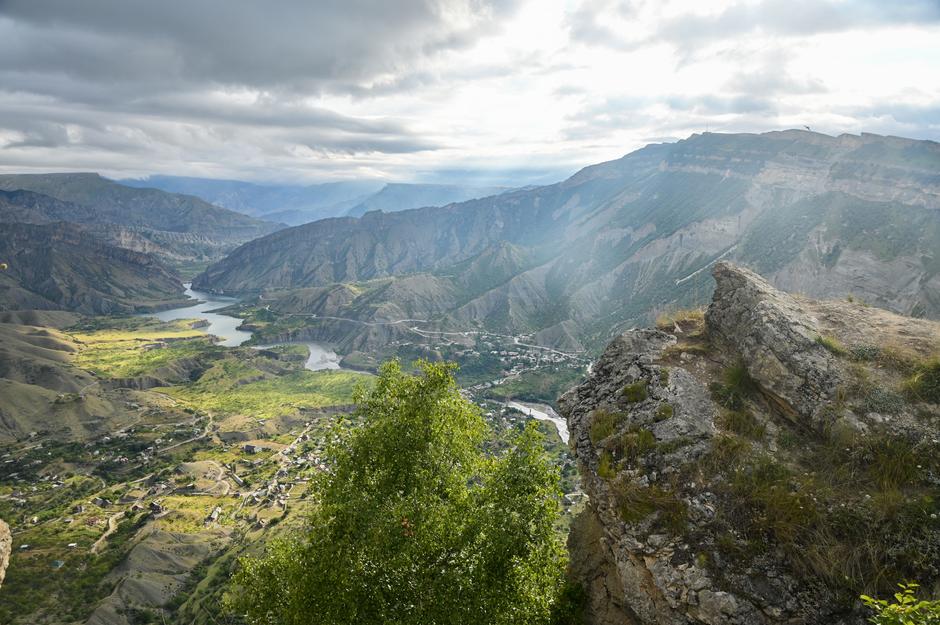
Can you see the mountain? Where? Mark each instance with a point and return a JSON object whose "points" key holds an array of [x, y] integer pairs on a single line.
{"points": [[295, 204], [178, 228], [765, 462], [290, 204], [60, 266], [398, 197], [620, 241]]}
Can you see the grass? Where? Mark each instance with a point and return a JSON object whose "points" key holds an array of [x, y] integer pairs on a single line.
{"points": [[856, 516], [232, 387], [605, 466], [664, 411], [636, 392], [924, 383], [668, 321], [187, 513], [832, 344], [636, 443], [603, 424], [742, 422], [635, 503], [137, 347], [735, 388]]}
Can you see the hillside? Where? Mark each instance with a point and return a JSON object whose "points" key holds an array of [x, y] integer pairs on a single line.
{"points": [[398, 197], [290, 204], [763, 464], [62, 266], [301, 204], [175, 227], [828, 216]]}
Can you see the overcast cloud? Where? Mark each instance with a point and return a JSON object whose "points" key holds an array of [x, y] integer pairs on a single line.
{"points": [[508, 91]]}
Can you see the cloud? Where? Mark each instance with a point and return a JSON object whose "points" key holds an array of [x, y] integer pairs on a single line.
{"points": [[290, 45], [440, 89], [633, 24]]}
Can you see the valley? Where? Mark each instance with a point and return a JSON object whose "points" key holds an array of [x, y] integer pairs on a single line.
{"points": [[193, 443], [153, 430]]}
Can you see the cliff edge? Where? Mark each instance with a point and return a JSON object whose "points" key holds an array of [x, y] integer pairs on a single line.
{"points": [[765, 461], [6, 547]]}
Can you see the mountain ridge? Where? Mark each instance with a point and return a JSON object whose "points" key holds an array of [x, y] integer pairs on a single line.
{"points": [[175, 227], [621, 240], [61, 266]]}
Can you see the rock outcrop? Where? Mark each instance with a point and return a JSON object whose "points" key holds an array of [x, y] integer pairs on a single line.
{"points": [[6, 547], [776, 338], [765, 462]]}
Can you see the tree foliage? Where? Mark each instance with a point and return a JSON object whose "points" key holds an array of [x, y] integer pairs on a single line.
{"points": [[415, 523], [907, 609]]}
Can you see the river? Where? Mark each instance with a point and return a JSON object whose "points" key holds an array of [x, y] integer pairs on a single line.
{"points": [[543, 413], [226, 327]]}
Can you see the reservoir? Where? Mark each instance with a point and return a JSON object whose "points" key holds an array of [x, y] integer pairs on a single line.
{"points": [[222, 326], [226, 327]]}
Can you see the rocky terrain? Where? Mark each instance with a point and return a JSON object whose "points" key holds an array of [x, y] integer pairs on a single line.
{"points": [[6, 546], [397, 197], [289, 204], [826, 216], [63, 266], [176, 228], [301, 204], [765, 462]]}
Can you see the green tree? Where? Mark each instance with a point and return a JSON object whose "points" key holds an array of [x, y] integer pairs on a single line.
{"points": [[415, 524], [907, 609]]}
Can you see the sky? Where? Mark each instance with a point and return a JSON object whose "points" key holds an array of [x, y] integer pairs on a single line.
{"points": [[490, 91]]}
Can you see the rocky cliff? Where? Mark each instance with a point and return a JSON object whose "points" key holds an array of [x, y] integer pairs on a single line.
{"points": [[61, 266], [176, 228], [826, 216], [6, 547], [764, 462]]}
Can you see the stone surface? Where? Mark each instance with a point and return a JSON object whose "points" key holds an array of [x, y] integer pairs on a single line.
{"points": [[661, 541], [6, 547], [774, 338]]}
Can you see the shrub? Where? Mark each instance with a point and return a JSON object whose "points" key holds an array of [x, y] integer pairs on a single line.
{"points": [[907, 609], [635, 392], [664, 376], [865, 352], [664, 411], [881, 400]]}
